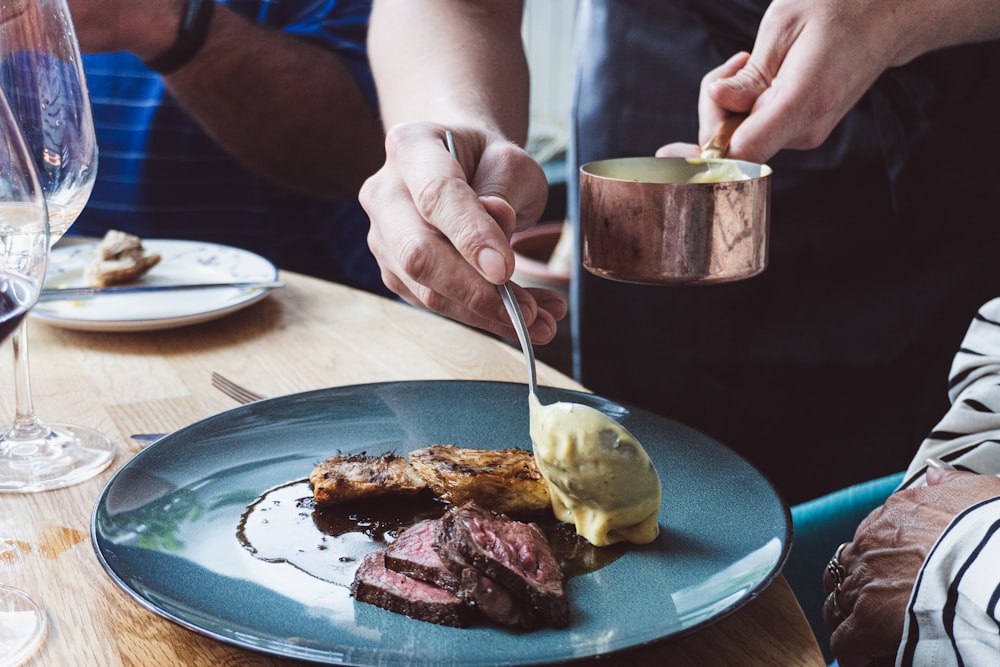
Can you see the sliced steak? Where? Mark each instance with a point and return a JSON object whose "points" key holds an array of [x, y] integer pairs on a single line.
{"points": [[377, 585], [514, 554], [413, 554], [496, 602]]}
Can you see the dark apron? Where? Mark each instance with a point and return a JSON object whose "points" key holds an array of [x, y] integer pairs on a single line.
{"points": [[832, 366]]}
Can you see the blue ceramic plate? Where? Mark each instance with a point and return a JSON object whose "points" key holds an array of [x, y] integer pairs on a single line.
{"points": [[165, 528]]}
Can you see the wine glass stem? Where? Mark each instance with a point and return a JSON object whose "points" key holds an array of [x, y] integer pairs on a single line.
{"points": [[26, 424]]}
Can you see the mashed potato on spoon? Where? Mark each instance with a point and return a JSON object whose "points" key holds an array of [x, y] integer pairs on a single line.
{"points": [[599, 476]]}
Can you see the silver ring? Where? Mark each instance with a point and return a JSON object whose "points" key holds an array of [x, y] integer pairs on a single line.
{"points": [[836, 569], [834, 607], [838, 573]]}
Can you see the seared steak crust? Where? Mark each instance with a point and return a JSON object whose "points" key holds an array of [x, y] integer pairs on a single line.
{"points": [[352, 476], [377, 585], [505, 480]]}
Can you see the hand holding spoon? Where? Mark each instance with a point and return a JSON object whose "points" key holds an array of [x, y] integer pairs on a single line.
{"points": [[600, 478]]}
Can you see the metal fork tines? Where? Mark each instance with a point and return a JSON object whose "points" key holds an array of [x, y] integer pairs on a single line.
{"points": [[233, 390]]}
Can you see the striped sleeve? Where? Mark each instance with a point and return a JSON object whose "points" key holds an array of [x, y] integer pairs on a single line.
{"points": [[953, 617], [968, 437]]}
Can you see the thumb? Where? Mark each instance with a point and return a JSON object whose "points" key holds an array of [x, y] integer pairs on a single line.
{"points": [[500, 210], [939, 472], [739, 90]]}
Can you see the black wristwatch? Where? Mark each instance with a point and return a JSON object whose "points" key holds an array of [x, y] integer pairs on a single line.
{"points": [[191, 36]]}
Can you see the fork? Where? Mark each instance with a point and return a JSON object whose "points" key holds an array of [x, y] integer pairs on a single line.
{"points": [[226, 386], [233, 390]]}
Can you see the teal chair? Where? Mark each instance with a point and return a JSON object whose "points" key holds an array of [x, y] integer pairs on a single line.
{"points": [[820, 526]]}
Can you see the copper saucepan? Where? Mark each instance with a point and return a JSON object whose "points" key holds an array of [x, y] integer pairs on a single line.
{"points": [[643, 220]]}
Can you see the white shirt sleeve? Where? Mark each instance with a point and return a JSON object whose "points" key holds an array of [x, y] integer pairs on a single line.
{"points": [[953, 616], [968, 436]]}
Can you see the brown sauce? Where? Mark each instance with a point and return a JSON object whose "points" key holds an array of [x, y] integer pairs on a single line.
{"points": [[328, 543]]}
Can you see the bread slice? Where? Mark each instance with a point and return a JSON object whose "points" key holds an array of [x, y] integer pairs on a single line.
{"points": [[120, 258]]}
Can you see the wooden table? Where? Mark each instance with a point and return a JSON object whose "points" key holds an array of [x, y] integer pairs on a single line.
{"points": [[308, 335]]}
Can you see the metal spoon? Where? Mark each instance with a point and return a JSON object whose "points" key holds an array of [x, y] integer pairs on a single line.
{"points": [[510, 303], [514, 310], [598, 441]]}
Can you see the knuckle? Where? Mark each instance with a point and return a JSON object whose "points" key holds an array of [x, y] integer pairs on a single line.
{"points": [[755, 77], [413, 259], [367, 194], [393, 283], [397, 137], [531, 188], [485, 301], [431, 196], [432, 300], [469, 239], [375, 243], [434, 196]]}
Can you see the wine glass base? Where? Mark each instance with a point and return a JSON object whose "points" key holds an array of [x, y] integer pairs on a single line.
{"points": [[23, 626], [62, 455]]}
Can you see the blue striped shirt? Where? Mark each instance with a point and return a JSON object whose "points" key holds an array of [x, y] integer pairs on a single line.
{"points": [[161, 176]]}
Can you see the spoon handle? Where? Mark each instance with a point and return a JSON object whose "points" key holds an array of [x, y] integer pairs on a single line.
{"points": [[510, 303], [718, 146], [517, 319]]}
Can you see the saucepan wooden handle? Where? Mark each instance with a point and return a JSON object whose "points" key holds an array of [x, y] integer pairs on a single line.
{"points": [[718, 145]]}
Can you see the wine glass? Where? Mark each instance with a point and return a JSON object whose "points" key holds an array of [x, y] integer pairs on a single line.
{"points": [[24, 246], [42, 76]]}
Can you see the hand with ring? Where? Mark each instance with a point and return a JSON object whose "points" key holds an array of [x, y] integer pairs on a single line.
{"points": [[869, 580], [833, 583]]}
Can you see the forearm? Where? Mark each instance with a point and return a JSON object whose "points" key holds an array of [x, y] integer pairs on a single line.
{"points": [[921, 26], [950, 609], [968, 436], [285, 107], [296, 117], [453, 62]]}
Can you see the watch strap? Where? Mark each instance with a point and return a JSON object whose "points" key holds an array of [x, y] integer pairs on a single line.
{"points": [[191, 36]]}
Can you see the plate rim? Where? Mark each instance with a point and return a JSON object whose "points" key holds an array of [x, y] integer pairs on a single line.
{"points": [[291, 651], [247, 298]]}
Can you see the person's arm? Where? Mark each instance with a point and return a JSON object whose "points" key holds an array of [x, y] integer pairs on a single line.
{"points": [[812, 61], [968, 436], [440, 227], [285, 106], [924, 544], [901, 547], [455, 62], [954, 597]]}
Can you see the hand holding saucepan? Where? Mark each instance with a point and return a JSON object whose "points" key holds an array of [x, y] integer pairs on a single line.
{"points": [[811, 62], [870, 579]]}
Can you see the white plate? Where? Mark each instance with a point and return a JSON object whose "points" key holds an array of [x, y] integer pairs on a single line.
{"points": [[181, 262]]}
